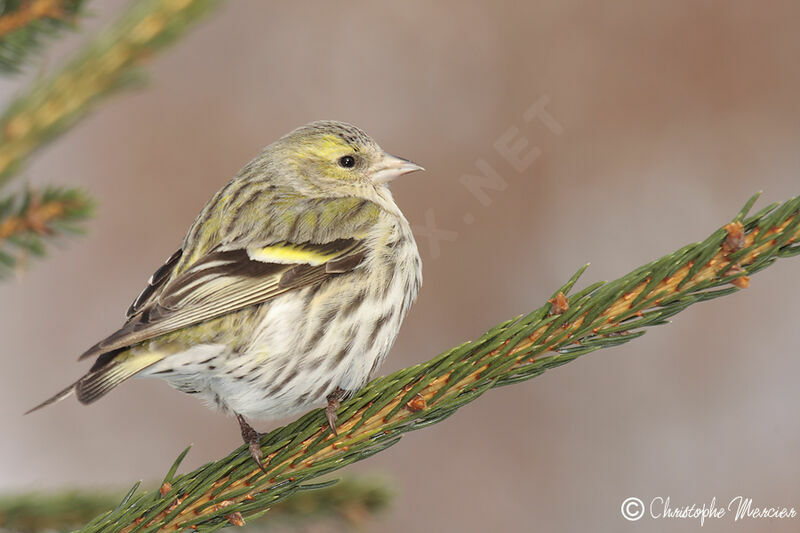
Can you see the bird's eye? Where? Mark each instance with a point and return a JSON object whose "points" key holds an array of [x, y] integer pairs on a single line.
{"points": [[347, 161]]}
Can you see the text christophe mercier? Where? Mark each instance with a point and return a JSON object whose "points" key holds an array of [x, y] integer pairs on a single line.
{"points": [[739, 508]]}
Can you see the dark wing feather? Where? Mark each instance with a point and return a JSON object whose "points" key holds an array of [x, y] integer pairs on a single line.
{"points": [[224, 281], [155, 282]]}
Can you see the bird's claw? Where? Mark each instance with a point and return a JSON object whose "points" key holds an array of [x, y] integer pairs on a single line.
{"points": [[333, 405], [252, 438]]}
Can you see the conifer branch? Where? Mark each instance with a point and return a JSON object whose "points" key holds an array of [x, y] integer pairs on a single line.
{"points": [[35, 512], [24, 24], [106, 64], [351, 501], [29, 218], [571, 324]]}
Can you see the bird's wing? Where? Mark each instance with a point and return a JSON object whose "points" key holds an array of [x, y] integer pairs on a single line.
{"points": [[226, 280], [154, 284]]}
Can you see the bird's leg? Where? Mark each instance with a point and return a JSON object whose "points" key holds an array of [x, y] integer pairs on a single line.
{"points": [[252, 438], [333, 405]]}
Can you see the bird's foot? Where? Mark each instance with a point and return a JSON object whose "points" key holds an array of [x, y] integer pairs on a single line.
{"points": [[333, 405], [252, 438]]}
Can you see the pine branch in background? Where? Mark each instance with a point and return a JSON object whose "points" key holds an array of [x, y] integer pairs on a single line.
{"points": [[52, 105], [352, 501], [106, 64], [25, 24], [39, 512], [602, 315], [30, 218]]}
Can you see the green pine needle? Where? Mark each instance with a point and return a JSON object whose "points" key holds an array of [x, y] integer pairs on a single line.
{"points": [[26, 24], [31, 219]]}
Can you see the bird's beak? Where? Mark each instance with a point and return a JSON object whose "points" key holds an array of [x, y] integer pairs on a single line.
{"points": [[391, 167]]}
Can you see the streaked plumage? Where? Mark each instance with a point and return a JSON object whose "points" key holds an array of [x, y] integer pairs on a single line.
{"points": [[291, 283]]}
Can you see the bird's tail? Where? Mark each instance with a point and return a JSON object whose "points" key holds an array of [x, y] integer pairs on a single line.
{"points": [[95, 384], [69, 391], [99, 381]]}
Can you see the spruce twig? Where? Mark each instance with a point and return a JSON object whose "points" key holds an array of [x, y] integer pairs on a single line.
{"points": [[108, 63], [31, 217], [24, 24], [572, 324]]}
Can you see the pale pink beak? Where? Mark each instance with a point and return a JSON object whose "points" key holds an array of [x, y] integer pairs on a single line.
{"points": [[391, 167]]}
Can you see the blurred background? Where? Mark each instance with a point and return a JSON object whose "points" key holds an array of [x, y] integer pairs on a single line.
{"points": [[661, 120]]}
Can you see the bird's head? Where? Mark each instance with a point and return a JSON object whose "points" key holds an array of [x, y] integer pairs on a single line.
{"points": [[339, 158]]}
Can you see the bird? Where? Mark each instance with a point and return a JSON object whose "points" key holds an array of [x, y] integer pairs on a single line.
{"points": [[287, 291]]}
